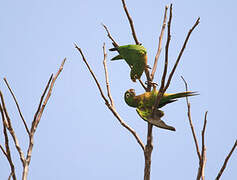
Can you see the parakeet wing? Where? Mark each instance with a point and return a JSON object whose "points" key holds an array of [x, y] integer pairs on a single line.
{"points": [[145, 114]]}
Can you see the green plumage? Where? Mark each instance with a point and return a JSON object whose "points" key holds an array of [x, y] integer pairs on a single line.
{"points": [[144, 103], [136, 58]]}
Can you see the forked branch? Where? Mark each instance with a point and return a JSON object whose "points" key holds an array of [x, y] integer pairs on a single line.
{"points": [[108, 104], [8, 125]]}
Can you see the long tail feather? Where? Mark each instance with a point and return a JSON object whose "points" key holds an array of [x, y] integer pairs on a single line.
{"points": [[181, 95]]}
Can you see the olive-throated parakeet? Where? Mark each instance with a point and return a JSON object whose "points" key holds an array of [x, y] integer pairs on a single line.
{"points": [[144, 102], [135, 56]]}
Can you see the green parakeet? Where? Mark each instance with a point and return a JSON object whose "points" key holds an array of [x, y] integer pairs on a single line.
{"points": [[144, 102], [135, 56]]}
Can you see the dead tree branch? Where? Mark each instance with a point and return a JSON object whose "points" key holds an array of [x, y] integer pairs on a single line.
{"points": [[191, 123], [130, 22], [7, 152], [107, 77], [110, 106], [226, 161], [7, 124], [180, 54], [159, 45], [17, 105], [201, 156], [110, 37]]}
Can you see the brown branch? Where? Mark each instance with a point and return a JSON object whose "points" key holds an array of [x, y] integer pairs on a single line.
{"points": [[41, 101], [180, 54], [111, 108], [17, 105], [191, 123], [12, 132], [203, 147], [127, 127], [109, 35], [167, 49], [92, 73], [159, 45], [107, 77], [147, 152], [7, 153], [202, 162], [37, 118], [226, 161], [142, 84], [162, 89], [130, 22]]}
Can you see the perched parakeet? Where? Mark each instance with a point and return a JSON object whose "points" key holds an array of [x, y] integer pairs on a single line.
{"points": [[135, 56], [144, 102]]}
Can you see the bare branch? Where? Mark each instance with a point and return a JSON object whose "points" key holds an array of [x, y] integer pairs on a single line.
{"points": [[7, 153], [17, 105], [3, 151], [159, 45], [130, 22], [147, 152], [109, 35], [12, 132], [226, 161], [127, 127], [41, 100], [107, 77], [111, 107], [37, 118], [202, 162], [142, 84], [191, 123], [92, 73], [49, 94], [162, 90], [167, 49], [180, 54]]}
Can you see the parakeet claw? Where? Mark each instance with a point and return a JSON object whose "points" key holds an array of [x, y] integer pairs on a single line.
{"points": [[147, 66]]}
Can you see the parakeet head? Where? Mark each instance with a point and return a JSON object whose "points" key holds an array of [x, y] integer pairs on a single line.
{"points": [[129, 98]]}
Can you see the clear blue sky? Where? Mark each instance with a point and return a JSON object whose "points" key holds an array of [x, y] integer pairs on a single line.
{"points": [[78, 137]]}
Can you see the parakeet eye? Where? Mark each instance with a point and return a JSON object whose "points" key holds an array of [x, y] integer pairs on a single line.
{"points": [[127, 95]]}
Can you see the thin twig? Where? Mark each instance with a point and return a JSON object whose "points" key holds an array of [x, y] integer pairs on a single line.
{"points": [[17, 105], [41, 101], [127, 127], [107, 77], [142, 84], [37, 119], [109, 35], [203, 147], [130, 22], [162, 90], [202, 162], [12, 132], [112, 109], [92, 73], [159, 45], [7, 153], [180, 54], [226, 161], [191, 123], [167, 48], [48, 95]]}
